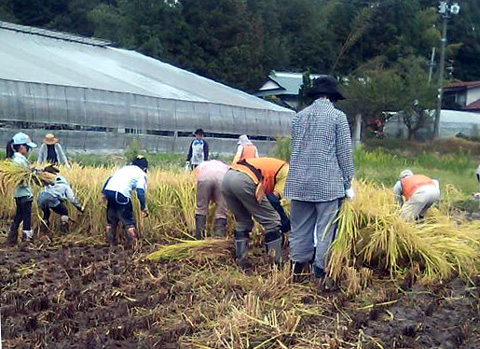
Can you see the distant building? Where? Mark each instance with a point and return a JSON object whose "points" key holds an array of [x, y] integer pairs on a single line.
{"points": [[284, 86], [452, 123], [96, 97], [462, 95]]}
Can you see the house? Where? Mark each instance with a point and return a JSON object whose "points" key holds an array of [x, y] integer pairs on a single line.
{"points": [[284, 86], [462, 95]]}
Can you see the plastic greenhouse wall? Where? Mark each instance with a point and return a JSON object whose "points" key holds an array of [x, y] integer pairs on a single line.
{"points": [[103, 121]]}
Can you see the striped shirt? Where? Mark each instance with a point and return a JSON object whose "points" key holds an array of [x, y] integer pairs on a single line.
{"points": [[321, 163]]}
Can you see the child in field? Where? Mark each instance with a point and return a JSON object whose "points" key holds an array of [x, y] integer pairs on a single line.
{"points": [[118, 192], [17, 149], [53, 197]]}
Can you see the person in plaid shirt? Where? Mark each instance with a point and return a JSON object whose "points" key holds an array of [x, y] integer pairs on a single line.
{"points": [[321, 172]]}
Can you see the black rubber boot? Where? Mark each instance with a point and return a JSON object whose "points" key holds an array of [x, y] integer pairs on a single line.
{"points": [[64, 228], [111, 233], [241, 241], [220, 227], [12, 236], [274, 242], [300, 272], [200, 222]]}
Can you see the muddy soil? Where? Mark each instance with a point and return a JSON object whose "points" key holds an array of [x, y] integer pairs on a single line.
{"points": [[96, 297]]}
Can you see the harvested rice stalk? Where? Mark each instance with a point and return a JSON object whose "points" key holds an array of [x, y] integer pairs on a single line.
{"points": [[207, 249], [12, 175]]}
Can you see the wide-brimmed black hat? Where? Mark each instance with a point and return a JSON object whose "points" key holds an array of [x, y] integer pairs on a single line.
{"points": [[325, 86]]}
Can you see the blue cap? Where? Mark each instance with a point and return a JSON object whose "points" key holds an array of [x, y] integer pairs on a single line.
{"points": [[22, 138]]}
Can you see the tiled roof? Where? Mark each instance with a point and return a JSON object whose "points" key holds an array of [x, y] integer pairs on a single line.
{"points": [[462, 85]]}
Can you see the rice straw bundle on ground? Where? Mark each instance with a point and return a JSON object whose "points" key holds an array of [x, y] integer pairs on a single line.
{"points": [[200, 250], [371, 233]]}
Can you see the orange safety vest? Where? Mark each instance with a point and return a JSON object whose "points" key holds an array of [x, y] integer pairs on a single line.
{"points": [[249, 152], [261, 170], [412, 183]]}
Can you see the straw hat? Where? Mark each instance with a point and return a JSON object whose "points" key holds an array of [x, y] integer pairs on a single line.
{"points": [[50, 139]]}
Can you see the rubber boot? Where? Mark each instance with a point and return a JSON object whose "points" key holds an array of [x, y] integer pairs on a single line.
{"points": [[132, 236], [300, 272], [12, 236], [111, 233], [220, 227], [241, 242], [274, 244], [200, 222]]}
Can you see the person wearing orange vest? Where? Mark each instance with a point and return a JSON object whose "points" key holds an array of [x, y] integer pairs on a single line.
{"points": [[246, 188], [209, 176], [245, 150], [420, 193]]}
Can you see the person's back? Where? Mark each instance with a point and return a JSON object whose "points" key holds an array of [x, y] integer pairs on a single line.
{"points": [[320, 161], [127, 179], [211, 168]]}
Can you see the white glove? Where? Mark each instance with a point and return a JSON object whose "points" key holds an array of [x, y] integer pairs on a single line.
{"points": [[350, 194], [187, 166], [476, 196]]}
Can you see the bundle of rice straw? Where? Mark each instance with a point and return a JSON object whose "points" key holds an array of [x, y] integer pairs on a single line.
{"points": [[200, 250], [12, 175]]}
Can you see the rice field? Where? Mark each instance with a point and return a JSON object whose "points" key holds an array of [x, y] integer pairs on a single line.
{"points": [[401, 285]]}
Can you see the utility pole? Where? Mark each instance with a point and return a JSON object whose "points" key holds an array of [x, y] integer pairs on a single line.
{"points": [[432, 64], [446, 9]]}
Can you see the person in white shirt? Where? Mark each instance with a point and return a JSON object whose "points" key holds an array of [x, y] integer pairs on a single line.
{"points": [[198, 151], [420, 193], [53, 197], [118, 192]]}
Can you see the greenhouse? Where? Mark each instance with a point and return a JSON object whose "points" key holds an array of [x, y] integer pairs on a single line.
{"points": [[94, 96]]}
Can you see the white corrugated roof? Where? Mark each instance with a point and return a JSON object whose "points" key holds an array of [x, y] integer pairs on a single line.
{"points": [[47, 57]]}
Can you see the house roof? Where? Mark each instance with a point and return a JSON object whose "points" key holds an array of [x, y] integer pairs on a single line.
{"points": [[473, 106], [462, 85], [283, 83], [42, 56]]}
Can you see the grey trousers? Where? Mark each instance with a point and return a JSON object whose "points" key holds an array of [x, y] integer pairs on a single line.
{"points": [[309, 218], [422, 199], [238, 189]]}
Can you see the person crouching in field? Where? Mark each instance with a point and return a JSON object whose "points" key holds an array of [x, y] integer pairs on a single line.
{"points": [[245, 149], [209, 176], [118, 192], [53, 198], [244, 188], [420, 193], [17, 150]]}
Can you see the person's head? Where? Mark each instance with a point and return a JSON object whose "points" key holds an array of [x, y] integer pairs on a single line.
{"points": [[199, 134], [61, 180], [142, 162], [50, 139], [406, 173], [20, 143], [325, 87], [243, 139]]}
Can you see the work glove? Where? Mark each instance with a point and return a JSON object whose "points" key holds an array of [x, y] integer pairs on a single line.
{"points": [[145, 213], [350, 194], [187, 166]]}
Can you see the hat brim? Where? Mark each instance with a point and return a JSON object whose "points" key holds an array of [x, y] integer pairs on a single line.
{"points": [[31, 145], [336, 95]]}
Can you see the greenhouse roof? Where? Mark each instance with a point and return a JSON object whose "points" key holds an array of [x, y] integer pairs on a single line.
{"points": [[38, 55]]}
